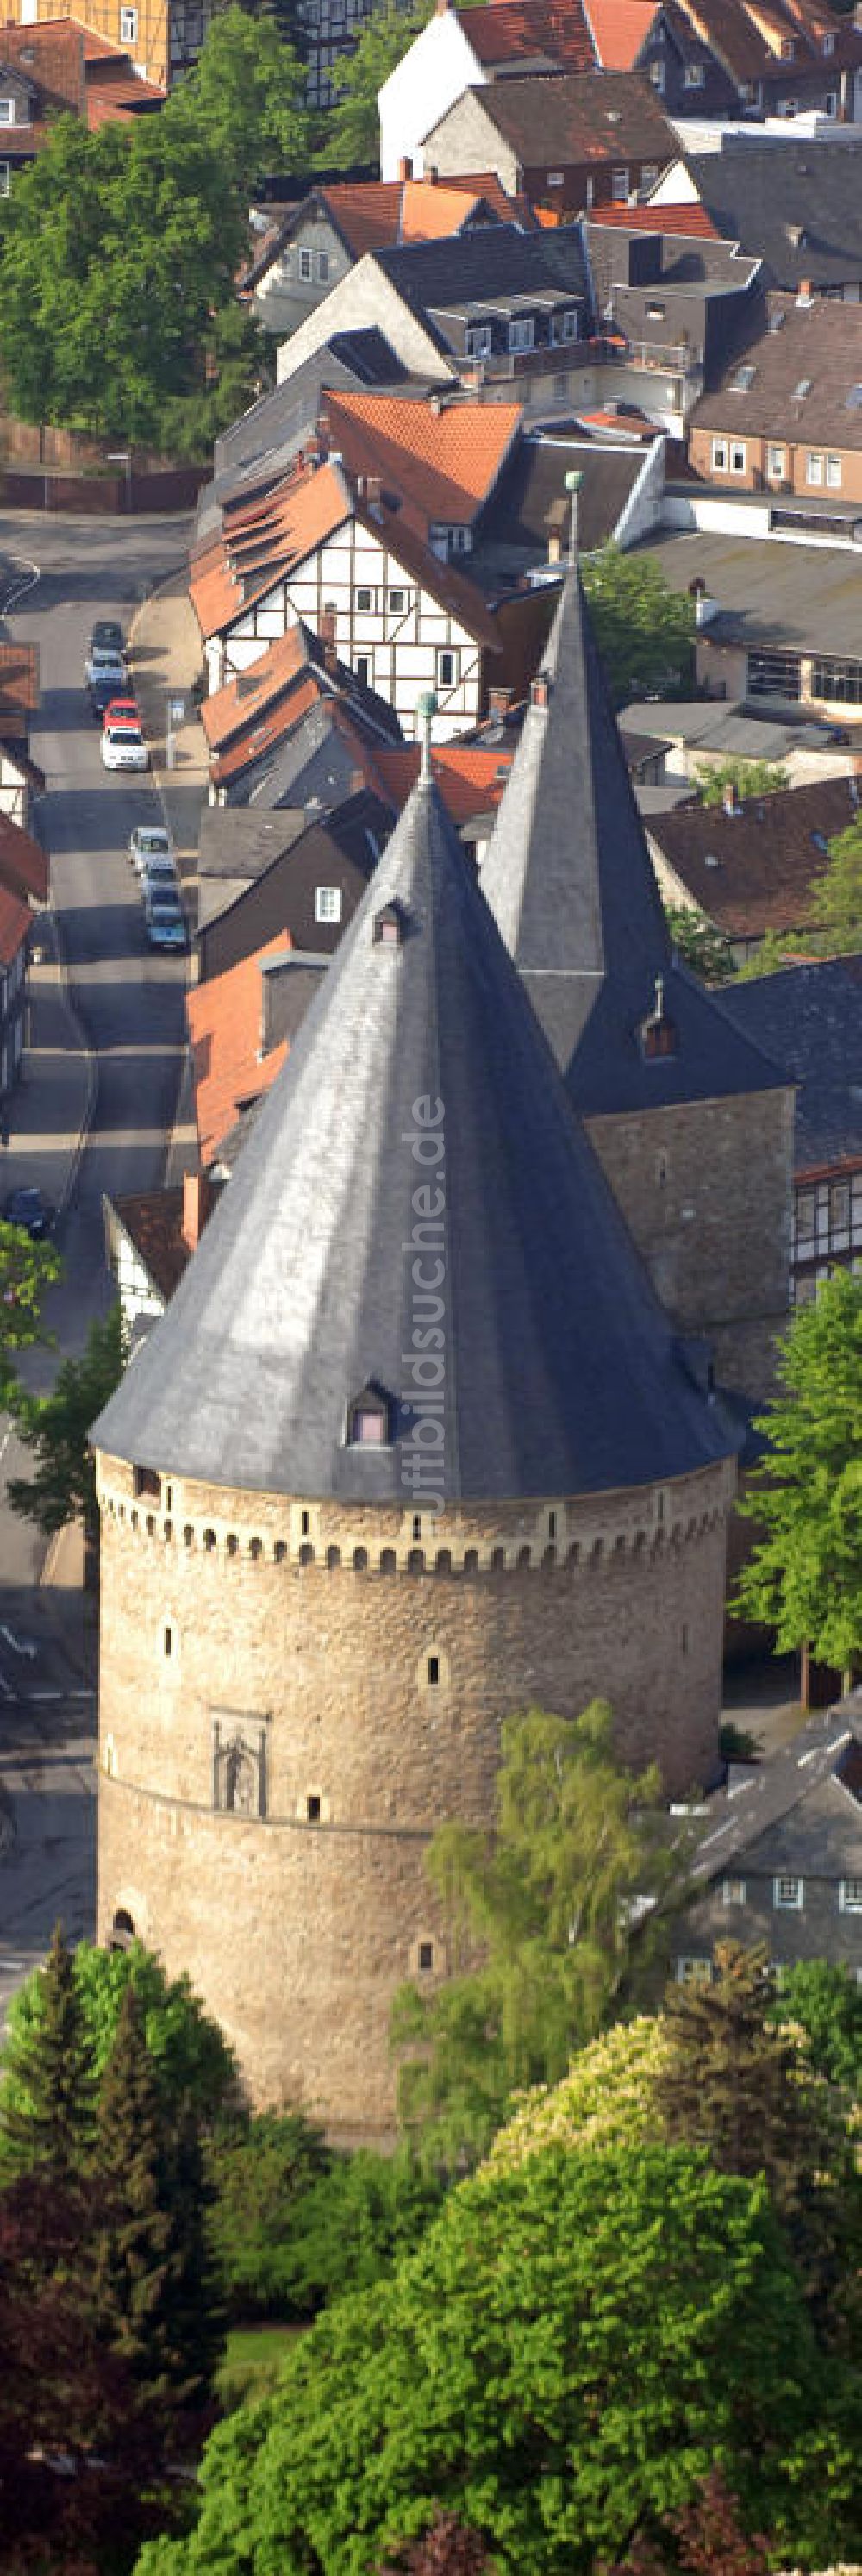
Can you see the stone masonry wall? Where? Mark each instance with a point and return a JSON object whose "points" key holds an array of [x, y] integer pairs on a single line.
{"points": [[706, 1190], [376, 1695]]}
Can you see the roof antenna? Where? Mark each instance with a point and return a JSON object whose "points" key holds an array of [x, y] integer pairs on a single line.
{"points": [[426, 711], [573, 485]]}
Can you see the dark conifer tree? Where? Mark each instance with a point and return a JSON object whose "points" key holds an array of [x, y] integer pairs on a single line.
{"points": [[157, 2303], [48, 2100]]}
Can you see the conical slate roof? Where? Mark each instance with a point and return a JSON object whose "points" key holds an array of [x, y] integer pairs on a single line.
{"points": [[559, 1371], [569, 880]]}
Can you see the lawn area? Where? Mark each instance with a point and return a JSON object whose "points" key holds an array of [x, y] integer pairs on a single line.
{"points": [[252, 2361]]}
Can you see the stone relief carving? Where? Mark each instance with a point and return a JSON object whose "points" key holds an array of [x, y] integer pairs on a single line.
{"points": [[239, 1764]]}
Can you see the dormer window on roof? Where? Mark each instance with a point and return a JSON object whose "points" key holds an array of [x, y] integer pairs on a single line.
{"points": [[369, 1419], [389, 926], [743, 380], [800, 390], [659, 1035]]}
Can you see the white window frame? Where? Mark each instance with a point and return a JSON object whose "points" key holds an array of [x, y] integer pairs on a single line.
{"points": [[323, 267], [7, 111], [398, 601], [694, 1972], [448, 653], [306, 267], [829, 43], [833, 473], [327, 903], [619, 187], [850, 1902], [366, 599], [776, 461], [788, 1893], [522, 332], [738, 456], [554, 178], [649, 174], [719, 456], [128, 26], [479, 340], [656, 73], [694, 76], [814, 467], [733, 1891]]}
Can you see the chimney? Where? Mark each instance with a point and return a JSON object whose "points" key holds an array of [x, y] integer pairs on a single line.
{"points": [[357, 782], [431, 174], [499, 702], [806, 292], [539, 690], [405, 167], [197, 1202], [327, 638], [730, 800]]}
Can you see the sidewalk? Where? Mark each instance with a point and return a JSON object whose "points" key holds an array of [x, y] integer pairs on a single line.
{"points": [[167, 657], [52, 1103]]}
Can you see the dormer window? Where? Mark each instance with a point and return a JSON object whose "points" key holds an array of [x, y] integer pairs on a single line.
{"points": [[7, 111], [659, 1035], [389, 926], [369, 1419]]}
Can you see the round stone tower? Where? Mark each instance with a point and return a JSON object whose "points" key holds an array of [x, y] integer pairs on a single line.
{"points": [[414, 1446]]}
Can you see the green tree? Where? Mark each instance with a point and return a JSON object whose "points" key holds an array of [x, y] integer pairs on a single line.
{"points": [[700, 945], [774, 954], [27, 1271], [571, 2349], [804, 1575], [644, 630], [194, 2066], [295, 2225], [546, 1925], [243, 102], [56, 1429], [826, 2004], [747, 777], [155, 2297], [48, 2101], [352, 136], [834, 908]]}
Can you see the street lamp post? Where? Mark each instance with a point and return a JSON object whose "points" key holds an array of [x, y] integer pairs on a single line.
{"points": [[123, 456]]}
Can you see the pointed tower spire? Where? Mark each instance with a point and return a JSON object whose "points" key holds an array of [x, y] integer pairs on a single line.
{"points": [[570, 882], [417, 1147]]}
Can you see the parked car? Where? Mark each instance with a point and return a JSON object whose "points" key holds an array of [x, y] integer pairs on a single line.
{"points": [[158, 878], [106, 637], [101, 691], [166, 922], [123, 747], [148, 841], [122, 711], [29, 1209], [104, 665]]}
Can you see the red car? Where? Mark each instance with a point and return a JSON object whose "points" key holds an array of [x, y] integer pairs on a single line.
{"points": [[122, 711]]}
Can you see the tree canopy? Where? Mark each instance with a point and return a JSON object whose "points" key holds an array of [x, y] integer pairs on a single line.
{"points": [[352, 134], [27, 1271], [243, 100], [194, 2065], [706, 950], [835, 903], [571, 2349], [56, 1428], [546, 1927], [644, 629], [804, 1575], [747, 777]]}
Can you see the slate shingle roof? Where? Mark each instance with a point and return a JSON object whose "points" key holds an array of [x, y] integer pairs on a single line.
{"points": [[809, 1020], [438, 277], [560, 1373], [610, 116], [569, 879], [753, 871], [817, 344], [797, 208]]}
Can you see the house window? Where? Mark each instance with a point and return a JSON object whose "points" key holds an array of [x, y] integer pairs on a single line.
{"points": [[694, 1972], [366, 600], [7, 111], [368, 1420], [305, 266], [831, 102], [829, 43], [128, 26], [327, 903], [433, 1672], [839, 1205], [788, 1895], [737, 457], [693, 77], [776, 460], [447, 668], [553, 179], [365, 670], [480, 340], [323, 266], [788, 49], [649, 174], [833, 473], [426, 1957], [168, 1640], [565, 325], [813, 468], [591, 193], [312, 1809], [521, 332], [655, 312], [733, 1891], [719, 456], [805, 1206], [656, 73], [397, 602], [850, 1895], [619, 187]]}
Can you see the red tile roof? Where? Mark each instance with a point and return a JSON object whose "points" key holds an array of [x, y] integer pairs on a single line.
{"points": [[658, 219], [511, 31], [14, 924], [301, 512], [153, 1221], [242, 702], [470, 780], [619, 29], [23, 862], [767, 855], [19, 683], [224, 1020], [442, 458], [281, 721]]}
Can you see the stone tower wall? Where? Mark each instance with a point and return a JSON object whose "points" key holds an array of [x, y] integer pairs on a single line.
{"points": [[355, 1678], [706, 1191]]}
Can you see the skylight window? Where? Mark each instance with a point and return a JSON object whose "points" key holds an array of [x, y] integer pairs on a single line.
{"points": [[800, 390], [854, 398], [743, 380]]}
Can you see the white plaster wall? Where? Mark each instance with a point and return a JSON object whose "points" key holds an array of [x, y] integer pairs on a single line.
{"points": [[430, 76], [363, 298]]}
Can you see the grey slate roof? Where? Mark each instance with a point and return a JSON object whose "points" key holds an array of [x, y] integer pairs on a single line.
{"points": [[499, 262], [569, 880], [797, 207], [765, 1809], [561, 1373], [810, 1021], [512, 531]]}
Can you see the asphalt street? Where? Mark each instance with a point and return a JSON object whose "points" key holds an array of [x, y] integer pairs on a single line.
{"points": [[56, 577]]}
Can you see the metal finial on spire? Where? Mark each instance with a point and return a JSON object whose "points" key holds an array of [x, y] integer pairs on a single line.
{"points": [[573, 485], [659, 997], [425, 712]]}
